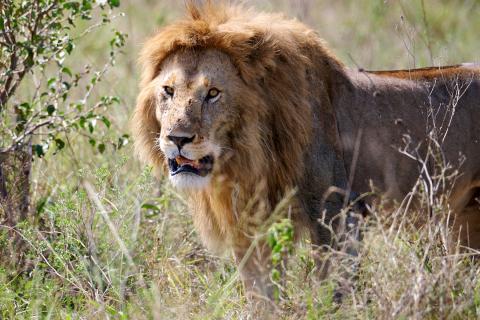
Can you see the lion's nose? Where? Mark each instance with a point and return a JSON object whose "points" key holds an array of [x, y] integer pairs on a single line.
{"points": [[181, 141]]}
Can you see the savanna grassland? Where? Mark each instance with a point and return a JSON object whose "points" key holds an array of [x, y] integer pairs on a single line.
{"points": [[106, 240]]}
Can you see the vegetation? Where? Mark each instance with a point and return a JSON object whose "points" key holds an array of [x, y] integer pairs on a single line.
{"points": [[104, 239], [36, 38]]}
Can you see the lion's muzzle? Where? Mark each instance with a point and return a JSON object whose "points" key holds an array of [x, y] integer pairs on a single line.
{"points": [[201, 167]]}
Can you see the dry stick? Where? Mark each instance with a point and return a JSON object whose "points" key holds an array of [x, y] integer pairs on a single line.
{"points": [[353, 166], [410, 51], [427, 32], [94, 198], [458, 95], [92, 249], [3, 184]]}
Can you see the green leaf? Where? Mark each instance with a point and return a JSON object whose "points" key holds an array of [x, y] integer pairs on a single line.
{"points": [[106, 121], [152, 210], [69, 47], [123, 141], [50, 109], [41, 205], [51, 81], [149, 206], [38, 150], [86, 5], [91, 125], [24, 110], [101, 147], [72, 5], [67, 71], [60, 143], [66, 85], [82, 121], [114, 3]]}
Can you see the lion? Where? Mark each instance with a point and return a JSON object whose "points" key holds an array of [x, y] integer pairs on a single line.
{"points": [[239, 108]]}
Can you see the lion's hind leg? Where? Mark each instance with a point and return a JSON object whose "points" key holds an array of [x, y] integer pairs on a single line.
{"points": [[466, 227]]}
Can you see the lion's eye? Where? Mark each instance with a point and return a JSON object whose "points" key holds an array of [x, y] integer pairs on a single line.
{"points": [[169, 90], [212, 93]]}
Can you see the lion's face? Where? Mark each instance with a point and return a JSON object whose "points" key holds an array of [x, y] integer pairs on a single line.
{"points": [[195, 108]]}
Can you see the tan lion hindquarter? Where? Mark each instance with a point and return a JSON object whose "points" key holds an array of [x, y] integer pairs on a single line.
{"points": [[390, 113]]}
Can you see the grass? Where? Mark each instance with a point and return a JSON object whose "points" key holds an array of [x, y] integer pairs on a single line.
{"points": [[107, 240]]}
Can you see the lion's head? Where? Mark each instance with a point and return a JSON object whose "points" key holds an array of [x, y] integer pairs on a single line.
{"points": [[198, 96], [225, 95]]}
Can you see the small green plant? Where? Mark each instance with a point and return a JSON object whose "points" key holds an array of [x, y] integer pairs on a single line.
{"points": [[280, 238]]}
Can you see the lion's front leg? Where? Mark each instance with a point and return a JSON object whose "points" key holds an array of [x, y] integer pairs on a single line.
{"points": [[254, 264], [342, 233]]}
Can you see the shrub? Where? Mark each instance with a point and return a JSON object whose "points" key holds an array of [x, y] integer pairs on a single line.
{"points": [[36, 38]]}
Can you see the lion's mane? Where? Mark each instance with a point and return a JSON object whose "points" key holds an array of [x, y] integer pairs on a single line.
{"points": [[277, 59]]}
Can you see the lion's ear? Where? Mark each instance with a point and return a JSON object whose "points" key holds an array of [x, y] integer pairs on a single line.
{"points": [[255, 55], [266, 56], [146, 129]]}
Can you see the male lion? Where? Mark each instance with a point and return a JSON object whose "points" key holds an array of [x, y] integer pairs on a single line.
{"points": [[239, 108]]}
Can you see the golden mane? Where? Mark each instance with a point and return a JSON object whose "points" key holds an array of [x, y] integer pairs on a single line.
{"points": [[272, 55]]}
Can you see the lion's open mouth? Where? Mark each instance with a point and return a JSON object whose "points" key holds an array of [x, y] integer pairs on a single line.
{"points": [[201, 167]]}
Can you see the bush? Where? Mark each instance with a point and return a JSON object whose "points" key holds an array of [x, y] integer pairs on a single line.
{"points": [[36, 38]]}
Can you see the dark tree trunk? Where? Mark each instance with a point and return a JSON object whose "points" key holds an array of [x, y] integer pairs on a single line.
{"points": [[15, 167]]}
